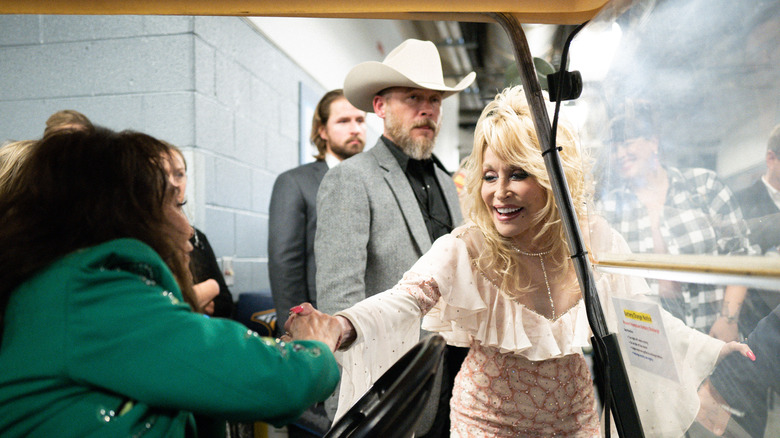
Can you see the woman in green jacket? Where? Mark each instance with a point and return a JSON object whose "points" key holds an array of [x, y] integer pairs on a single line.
{"points": [[98, 338]]}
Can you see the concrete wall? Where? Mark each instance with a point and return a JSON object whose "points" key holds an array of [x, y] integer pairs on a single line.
{"points": [[211, 85]]}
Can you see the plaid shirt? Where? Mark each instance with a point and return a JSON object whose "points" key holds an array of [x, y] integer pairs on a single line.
{"points": [[700, 216]]}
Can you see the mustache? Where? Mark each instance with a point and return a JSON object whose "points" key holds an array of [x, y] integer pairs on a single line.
{"points": [[427, 123], [355, 138]]}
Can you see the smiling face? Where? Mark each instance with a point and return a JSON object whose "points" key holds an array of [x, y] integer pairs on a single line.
{"points": [[513, 198], [411, 117], [637, 157]]}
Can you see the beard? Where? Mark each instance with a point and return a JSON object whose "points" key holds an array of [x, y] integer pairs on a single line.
{"points": [[419, 148], [347, 148]]}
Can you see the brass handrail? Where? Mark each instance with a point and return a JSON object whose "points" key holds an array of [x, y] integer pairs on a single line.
{"points": [[526, 11], [749, 268]]}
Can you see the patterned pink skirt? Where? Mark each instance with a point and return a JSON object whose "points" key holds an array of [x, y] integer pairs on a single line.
{"points": [[504, 395]]}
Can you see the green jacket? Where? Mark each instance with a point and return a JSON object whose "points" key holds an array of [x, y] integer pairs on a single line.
{"points": [[100, 344]]}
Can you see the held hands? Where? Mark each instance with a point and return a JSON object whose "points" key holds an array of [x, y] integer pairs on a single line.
{"points": [[307, 323]]}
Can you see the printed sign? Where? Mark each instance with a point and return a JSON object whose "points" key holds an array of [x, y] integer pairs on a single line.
{"points": [[642, 331]]}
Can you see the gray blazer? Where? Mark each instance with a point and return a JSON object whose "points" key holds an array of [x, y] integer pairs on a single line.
{"points": [[369, 227], [292, 221]]}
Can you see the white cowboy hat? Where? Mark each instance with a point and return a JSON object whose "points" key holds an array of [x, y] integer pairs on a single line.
{"points": [[414, 64]]}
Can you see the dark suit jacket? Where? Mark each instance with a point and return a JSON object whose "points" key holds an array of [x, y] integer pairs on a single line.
{"points": [[743, 383], [763, 220], [292, 221], [755, 201], [762, 215]]}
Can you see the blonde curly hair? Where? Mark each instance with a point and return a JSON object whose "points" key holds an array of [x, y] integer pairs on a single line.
{"points": [[506, 128]]}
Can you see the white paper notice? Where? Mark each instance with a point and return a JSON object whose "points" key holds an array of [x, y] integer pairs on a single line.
{"points": [[642, 330]]}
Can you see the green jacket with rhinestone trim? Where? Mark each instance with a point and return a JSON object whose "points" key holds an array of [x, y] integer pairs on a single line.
{"points": [[101, 344]]}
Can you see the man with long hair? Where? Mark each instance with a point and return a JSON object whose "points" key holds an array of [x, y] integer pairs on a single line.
{"points": [[338, 130]]}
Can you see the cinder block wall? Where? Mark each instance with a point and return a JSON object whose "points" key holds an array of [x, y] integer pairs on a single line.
{"points": [[212, 85]]}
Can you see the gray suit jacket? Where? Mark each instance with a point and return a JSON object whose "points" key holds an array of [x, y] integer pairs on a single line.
{"points": [[369, 227], [292, 221]]}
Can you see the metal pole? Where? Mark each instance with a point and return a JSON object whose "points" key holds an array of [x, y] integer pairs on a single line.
{"points": [[615, 384]]}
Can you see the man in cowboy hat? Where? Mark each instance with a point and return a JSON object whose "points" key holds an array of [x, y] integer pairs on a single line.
{"points": [[379, 211]]}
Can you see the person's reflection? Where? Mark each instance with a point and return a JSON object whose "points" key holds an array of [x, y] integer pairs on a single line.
{"points": [[761, 201], [663, 209], [760, 204]]}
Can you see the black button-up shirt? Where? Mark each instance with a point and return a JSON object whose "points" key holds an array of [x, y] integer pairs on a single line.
{"points": [[422, 178]]}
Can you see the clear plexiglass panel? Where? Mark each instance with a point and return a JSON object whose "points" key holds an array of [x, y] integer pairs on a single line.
{"points": [[680, 116]]}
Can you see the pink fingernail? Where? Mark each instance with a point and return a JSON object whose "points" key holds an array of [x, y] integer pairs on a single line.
{"points": [[751, 356], [297, 309]]}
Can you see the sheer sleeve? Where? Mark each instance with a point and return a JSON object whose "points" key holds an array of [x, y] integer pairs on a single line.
{"points": [[388, 324]]}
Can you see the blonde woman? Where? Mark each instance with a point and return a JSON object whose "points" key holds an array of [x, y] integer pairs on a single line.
{"points": [[504, 286]]}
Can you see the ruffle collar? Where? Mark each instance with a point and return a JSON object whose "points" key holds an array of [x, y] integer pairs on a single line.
{"points": [[473, 309]]}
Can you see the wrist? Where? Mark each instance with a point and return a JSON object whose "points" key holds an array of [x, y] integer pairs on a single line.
{"points": [[348, 333], [730, 310]]}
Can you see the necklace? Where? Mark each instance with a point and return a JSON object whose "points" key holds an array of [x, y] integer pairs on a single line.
{"points": [[544, 271]]}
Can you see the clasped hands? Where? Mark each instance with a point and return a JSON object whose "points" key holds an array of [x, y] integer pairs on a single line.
{"points": [[307, 323]]}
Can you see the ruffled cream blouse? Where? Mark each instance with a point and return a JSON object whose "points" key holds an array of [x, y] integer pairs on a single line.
{"points": [[464, 306]]}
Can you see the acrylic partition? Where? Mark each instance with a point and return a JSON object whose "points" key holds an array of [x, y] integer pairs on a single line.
{"points": [[680, 99]]}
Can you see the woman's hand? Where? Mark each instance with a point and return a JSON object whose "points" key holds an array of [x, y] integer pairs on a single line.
{"points": [[307, 323], [736, 347], [205, 293]]}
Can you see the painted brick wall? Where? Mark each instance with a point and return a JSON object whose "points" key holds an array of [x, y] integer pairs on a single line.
{"points": [[212, 85]]}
